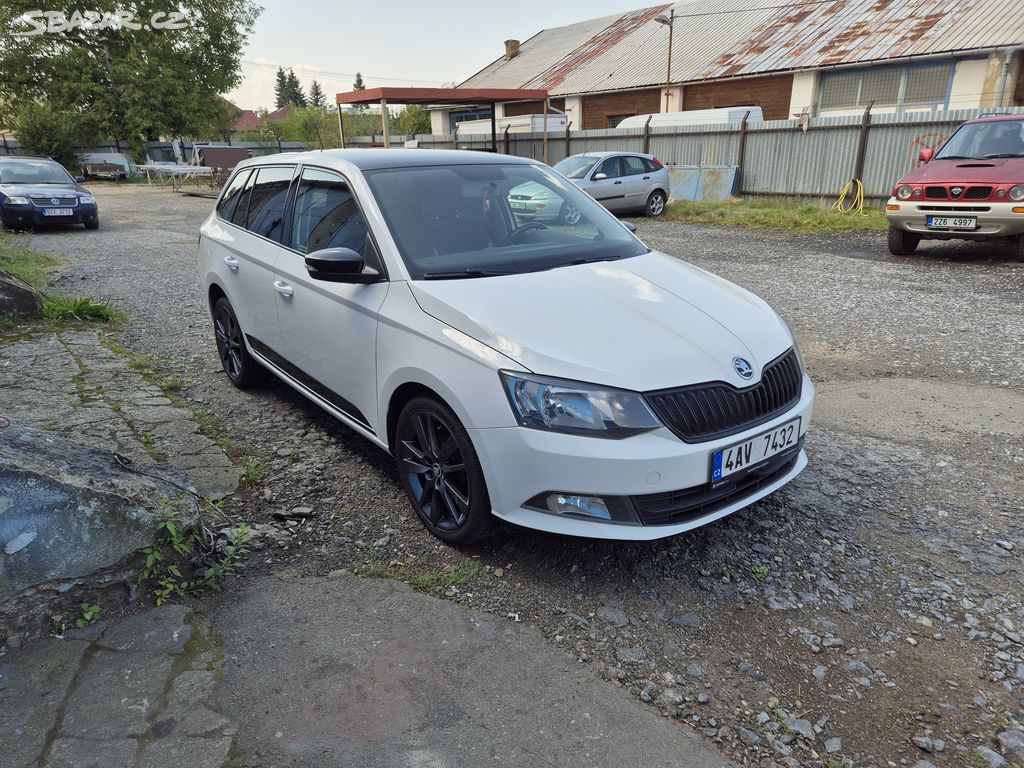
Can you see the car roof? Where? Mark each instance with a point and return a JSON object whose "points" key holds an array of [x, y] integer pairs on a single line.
{"points": [[995, 118], [375, 159], [608, 153], [4, 158]]}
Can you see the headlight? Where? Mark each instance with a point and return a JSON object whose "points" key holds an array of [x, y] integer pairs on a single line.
{"points": [[87, 200], [18, 200], [581, 409], [904, 192], [1017, 192]]}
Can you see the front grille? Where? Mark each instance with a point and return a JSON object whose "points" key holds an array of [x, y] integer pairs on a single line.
{"points": [[47, 202], [978, 193], [673, 507], [717, 409], [955, 208], [936, 193]]}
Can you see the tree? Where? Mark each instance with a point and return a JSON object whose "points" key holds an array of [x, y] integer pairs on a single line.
{"points": [[295, 94], [316, 95], [44, 130], [414, 119], [130, 84], [280, 88], [358, 84]]}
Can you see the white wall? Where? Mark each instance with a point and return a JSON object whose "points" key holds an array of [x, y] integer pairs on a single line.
{"points": [[805, 93], [969, 84], [439, 121], [574, 111]]}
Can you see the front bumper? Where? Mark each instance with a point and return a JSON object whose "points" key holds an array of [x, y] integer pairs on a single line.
{"points": [[30, 215], [520, 463], [994, 219], [540, 209]]}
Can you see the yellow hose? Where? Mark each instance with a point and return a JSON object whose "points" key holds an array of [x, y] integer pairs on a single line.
{"points": [[858, 198]]}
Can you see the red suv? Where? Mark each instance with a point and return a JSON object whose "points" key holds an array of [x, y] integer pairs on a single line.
{"points": [[972, 188]]}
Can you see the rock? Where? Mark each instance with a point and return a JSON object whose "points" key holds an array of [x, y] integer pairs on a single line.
{"points": [[819, 672], [990, 756], [499, 572], [748, 737], [1011, 742], [687, 620], [631, 654], [609, 613], [75, 521], [923, 742], [802, 728], [923, 764], [858, 666], [833, 745], [18, 298]]}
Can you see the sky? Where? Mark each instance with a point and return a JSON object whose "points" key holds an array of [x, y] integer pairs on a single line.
{"points": [[424, 44]]}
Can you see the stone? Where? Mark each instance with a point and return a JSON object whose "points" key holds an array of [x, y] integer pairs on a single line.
{"points": [[923, 742], [631, 654], [608, 613], [129, 684], [160, 630], [748, 737], [191, 752], [86, 753], [31, 693], [1011, 742], [991, 757], [687, 620], [819, 672], [802, 728], [833, 745], [18, 298], [75, 520]]}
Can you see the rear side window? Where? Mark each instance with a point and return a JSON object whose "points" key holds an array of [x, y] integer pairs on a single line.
{"points": [[652, 165], [610, 168], [634, 165], [229, 200], [267, 202]]}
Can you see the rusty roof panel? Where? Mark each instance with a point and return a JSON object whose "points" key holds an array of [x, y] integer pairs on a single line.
{"points": [[723, 38]]}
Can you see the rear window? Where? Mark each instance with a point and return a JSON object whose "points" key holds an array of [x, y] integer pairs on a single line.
{"points": [[232, 194], [267, 201], [652, 165]]}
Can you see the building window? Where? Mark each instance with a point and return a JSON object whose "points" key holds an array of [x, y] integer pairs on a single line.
{"points": [[455, 118], [914, 85], [612, 121]]}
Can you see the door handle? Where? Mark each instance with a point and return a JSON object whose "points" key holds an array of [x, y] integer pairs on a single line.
{"points": [[646, 178], [231, 261], [283, 288], [618, 182]]}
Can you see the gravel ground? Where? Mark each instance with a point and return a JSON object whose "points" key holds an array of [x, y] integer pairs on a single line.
{"points": [[870, 613]]}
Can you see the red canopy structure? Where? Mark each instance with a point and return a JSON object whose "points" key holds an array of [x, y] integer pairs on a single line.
{"points": [[449, 96]]}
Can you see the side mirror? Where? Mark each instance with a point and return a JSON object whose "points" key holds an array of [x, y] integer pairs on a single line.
{"points": [[926, 155], [629, 225], [598, 176], [339, 265], [79, 179]]}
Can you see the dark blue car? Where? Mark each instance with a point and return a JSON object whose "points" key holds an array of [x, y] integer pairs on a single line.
{"points": [[37, 190]]}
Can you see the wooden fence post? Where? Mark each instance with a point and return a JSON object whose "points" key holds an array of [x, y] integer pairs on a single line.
{"points": [[647, 136], [568, 146], [740, 152]]}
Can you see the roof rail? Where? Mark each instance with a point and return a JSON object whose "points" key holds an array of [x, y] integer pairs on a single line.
{"points": [[996, 114]]}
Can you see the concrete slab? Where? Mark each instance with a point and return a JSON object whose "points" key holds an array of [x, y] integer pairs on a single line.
{"points": [[371, 673]]}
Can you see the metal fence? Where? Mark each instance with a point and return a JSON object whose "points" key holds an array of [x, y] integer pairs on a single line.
{"points": [[810, 158]]}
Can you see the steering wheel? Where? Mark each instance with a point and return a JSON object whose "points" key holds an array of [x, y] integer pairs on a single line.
{"points": [[525, 227]]}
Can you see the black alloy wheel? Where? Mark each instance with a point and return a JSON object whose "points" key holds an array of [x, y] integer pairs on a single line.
{"points": [[238, 364], [441, 473]]}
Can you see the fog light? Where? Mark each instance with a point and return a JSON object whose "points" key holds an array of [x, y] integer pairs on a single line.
{"points": [[892, 207], [608, 509], [1018, 209]]}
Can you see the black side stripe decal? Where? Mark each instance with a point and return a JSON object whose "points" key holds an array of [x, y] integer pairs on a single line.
{"points": [[317, 387]]}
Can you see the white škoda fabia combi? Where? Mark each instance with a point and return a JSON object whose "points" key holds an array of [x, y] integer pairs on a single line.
{"points": [[560, 377]]}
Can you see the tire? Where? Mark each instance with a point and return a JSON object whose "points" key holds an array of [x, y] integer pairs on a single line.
{"points": [[1020, 248], [242, 370], [92, 224], [901, 242], [441, 473], [569, 215], [656, 202]]}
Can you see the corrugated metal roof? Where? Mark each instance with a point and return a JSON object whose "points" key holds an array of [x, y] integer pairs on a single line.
{"points": [[726, 38]]}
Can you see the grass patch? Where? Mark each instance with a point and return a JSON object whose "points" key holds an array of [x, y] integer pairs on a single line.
{"points": [[25, 263], [253, 471], [799, 218], [450, 576], [84, 309]]}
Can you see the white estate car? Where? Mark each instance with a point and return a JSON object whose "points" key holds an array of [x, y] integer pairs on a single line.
{"points": [[565, 379]]}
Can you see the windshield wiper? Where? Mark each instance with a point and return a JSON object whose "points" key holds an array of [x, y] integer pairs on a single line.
{"points": [[957, 157], [1002, 154], [464, 273]]}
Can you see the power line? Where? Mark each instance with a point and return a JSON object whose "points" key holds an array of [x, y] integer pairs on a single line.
{"points": [[314, 71]]}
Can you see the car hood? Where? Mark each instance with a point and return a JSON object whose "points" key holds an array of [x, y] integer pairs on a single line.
{"points": [[1008, 170], [530, 189], [644, 323], [42, 190]]}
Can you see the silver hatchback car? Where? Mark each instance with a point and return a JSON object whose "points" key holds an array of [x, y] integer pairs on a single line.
{"points": [[623, 182]]}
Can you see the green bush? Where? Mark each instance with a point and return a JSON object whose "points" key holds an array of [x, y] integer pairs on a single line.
{"points": [[44, 130]]}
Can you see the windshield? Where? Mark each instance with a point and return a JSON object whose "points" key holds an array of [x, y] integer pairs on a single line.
{"points": [[33, 172], [985, 141], [452, 221], [575, 167]]}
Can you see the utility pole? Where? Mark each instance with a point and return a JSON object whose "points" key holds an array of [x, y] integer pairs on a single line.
{"points": [[669, 21]]}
